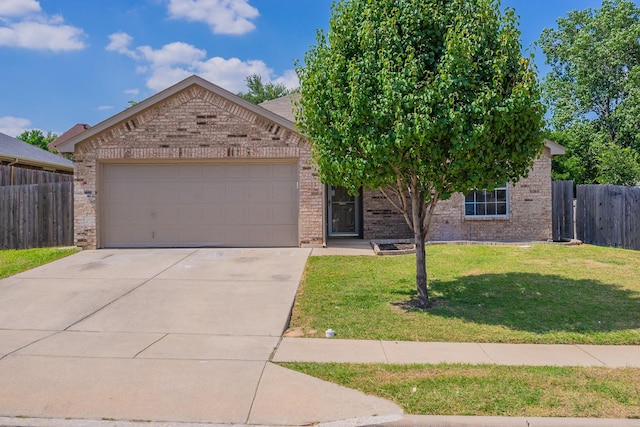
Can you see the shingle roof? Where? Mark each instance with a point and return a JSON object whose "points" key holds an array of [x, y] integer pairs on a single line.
{"points": [[282, 106], [13, 150], [75, 130]]}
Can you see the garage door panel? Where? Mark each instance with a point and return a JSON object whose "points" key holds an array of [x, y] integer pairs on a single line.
{"points": [[190, 172], [260, 171], [260, 192], [190, 214], [203, 236], [213, 171], [283, 214], [213, 214], [213, 192], [236, 214], [239, 234], [125, 215], [122, 236], [163, 215], [237, 192], [283, 192], [191, 193], [237, 171], [262, 215], [284, 170], [120, 194], [165, 191], [215, 204]]}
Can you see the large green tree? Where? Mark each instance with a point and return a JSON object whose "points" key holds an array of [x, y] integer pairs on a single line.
{"points": [[37, 138], [260, 92], [420, 99], [593, 91]]}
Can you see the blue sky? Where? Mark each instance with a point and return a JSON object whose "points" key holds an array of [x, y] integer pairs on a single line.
{"points": [[64, 62]]}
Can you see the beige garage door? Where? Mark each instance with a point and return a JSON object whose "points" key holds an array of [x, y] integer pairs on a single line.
{"points": [[194, 205]]}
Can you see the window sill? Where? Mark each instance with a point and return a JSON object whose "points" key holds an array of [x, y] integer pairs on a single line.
{"points": [[487, 218]]}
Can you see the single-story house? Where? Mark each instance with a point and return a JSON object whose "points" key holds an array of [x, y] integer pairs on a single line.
{"points": [[19, 154], [196, 165]]}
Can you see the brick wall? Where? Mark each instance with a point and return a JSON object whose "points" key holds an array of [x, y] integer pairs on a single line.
{"points": [[529, 213], [194, 124]]}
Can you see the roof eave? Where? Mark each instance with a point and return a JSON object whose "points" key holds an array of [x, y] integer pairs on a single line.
{"points": [[555, 148], [29, 162]]}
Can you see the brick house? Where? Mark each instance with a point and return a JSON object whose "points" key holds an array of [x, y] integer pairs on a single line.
{"points": [[195, 165]]}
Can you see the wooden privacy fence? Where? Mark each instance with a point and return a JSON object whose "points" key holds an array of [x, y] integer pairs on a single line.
{"points": [[12, 175], [608, 215], [37, 215], [562, 211]]}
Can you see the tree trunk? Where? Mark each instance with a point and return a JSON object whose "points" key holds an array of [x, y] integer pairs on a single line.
{"points": [[421, 271], [417, 215]]}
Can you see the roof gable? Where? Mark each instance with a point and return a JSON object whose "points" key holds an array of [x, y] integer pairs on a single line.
{"points": [[125, 116]]}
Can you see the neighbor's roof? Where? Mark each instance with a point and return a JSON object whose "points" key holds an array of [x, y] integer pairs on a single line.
{"points": [[77, 129], [68, 145], [556, 149], [15, 151], [283, 106]]}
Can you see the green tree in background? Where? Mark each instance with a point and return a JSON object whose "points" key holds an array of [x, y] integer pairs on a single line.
{"points": [[37, 138], [421, 99], [593, 91], [261, 92]]}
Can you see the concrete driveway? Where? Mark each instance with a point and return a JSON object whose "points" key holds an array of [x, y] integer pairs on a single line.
{"points": [[181, 335]]}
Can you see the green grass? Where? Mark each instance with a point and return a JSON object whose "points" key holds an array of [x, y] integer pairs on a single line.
{"points": [[488, 390], [15, 261], [542, 294]]}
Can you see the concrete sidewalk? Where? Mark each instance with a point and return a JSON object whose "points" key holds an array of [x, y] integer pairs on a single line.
{"points": [[325, 350]]}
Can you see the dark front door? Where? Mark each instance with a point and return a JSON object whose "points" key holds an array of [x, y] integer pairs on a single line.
{"points": [[344, 212]]}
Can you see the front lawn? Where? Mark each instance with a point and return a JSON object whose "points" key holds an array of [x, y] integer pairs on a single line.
{"points": [[488, 390], [14, 261], [539, 294]]}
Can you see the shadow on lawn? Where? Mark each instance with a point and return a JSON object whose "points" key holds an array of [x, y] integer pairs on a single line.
{"points": [[537, 303]]}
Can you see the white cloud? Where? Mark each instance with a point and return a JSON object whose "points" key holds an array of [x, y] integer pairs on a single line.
{"points": [[172, 53], [223, 16], [105, 107], [132, 91], [14, 126], [163, 77], [289, 79], [36, 30], [42, 36], [176, 61], [120, 43], [231, 73], [18, 7]]}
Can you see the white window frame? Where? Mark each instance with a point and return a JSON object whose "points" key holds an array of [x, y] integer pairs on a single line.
{"points": [[487, 199]]}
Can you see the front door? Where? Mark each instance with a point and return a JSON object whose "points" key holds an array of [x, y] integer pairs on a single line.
{"points": [[344, 212]]}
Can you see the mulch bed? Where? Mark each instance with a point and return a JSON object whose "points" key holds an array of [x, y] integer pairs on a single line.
{"points": [[396, 246]]}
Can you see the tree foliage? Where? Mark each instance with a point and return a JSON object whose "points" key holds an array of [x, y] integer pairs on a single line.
{"points": [[261, 92], [37, 138], [593, 91], [421, 99]]}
